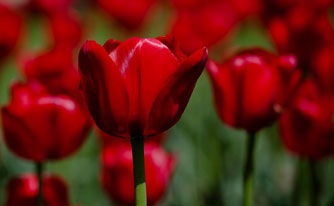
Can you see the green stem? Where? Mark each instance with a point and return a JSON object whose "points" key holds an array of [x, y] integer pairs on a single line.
{"points": [[137, 144], [39, 173], [248, 171], [314, 184]]}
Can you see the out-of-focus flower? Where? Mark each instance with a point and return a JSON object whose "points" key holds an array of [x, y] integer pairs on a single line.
{"points": [[205, 25], [117, 173], [49, 6], [40, 127], [299, 27], [253, 88], [10, 29], [66, 30], [130, 13], [23, 190], [55, 70], [307, 128], [139, 87]]}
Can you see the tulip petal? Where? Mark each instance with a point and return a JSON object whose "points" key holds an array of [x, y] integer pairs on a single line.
{"points": [[173, 98], [104, 89]]}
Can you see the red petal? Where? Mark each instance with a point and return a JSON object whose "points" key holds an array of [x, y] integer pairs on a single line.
{"points": [[104, 89], [173, 98]]}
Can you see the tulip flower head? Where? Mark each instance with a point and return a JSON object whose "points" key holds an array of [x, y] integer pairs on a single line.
{"points": [[117, 172], [139, 87], [54, 69], [66, 30], [252, 88], [23, 190], [39, 127], [307, 128]]}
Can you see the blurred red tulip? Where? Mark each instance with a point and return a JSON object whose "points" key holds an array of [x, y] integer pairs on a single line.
{"points": [[205, 25], [10, 30], [66, 30], [130, 13], [55, 70], [139, 87], [252, 88], [23, 190], [117, 173], [299, 27], [307, 128], [41, 127]]}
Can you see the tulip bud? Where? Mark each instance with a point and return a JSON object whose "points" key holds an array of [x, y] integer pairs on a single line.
{"points": [[253, 88], [307, 128], [117, 173], [40, 127], [23, 190], [139, 87]]}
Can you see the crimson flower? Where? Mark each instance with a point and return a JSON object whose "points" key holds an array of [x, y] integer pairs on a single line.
{"points": [[117, 172], [253, 88], [302, 28], [23, 190], [40, 127], [139, 87], [66, 30], [55, 70], [10, 30], [130, 13], [307, 128], [205, 25]]}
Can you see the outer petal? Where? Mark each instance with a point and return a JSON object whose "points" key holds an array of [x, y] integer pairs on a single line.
{"points": [[173, 98], [260, 85], [104, 89], [224, 82]]}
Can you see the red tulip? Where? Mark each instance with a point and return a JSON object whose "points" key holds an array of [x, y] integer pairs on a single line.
{"points": [[55, 70], [10, 30], [130, 13], [139, 87], [23, 190], [118, 171], [301, 28], [307, 128], [40, 127], [66, 30], [252, 88], [205, 25]]}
